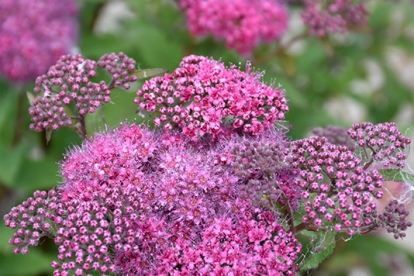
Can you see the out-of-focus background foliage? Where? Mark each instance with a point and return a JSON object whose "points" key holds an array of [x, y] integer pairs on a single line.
{"points": [[365, 74]]}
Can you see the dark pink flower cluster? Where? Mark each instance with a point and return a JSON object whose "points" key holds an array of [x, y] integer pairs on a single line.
{"points": [[34, 34], [134, 203], [394, 219], [70, 80], [328, 16], [201, 95], [241, 23]]}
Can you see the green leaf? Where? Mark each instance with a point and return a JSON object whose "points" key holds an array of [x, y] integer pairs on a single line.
{"points": [[37, 175], [154, 46], [5, 234], [7, 101], [325, 245], [10, 162], [49, 131], [396, 175], [34, 263], [146, 73]]}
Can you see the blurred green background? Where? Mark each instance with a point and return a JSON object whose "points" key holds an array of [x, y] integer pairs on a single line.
{"points": [[364, 75]]}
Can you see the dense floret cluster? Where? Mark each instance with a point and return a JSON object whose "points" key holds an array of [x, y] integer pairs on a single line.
{"points": [[201, 95], [336, 188], [70, 80], [133, 204], [34, 34], [241, 23], [381, 142], [263, 164], [394, 219]]}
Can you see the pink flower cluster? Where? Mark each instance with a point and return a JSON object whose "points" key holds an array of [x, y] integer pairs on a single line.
{"points": [[339, 186], [34, 34], [328, 16], [242, 23], [70, 81], [384, 142], [132, 204], [343, 188], [202, 94]]}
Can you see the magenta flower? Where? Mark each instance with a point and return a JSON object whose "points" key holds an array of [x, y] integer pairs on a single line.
{"points": [[241, 23], [134, 148], [34, 34], [201, 95], [133, 203]]}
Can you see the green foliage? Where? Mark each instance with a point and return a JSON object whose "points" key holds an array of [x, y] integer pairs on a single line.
{"points": [[396, 175], [322, 249], [34, 263], [147, 73], [10, 163], [370, 251]]}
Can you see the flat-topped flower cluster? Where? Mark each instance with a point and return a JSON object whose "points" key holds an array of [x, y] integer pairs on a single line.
{"points": [[203, 94]]}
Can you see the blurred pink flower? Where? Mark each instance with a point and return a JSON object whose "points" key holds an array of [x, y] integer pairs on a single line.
{"points": [[34, 34], [241, 23]]}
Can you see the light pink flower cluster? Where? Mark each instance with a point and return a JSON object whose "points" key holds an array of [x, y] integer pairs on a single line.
{"points": [[133, 203], [202, 94], [328, 16], [34, 34], [241, 23]]}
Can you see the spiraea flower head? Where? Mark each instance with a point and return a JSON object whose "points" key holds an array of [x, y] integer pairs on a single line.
{"points": [[132, 202], [328, 16], [343, 188], [382, 143], [202, 94], [34, 34], [118, 156], [340, 186], [243, 24], [71, 80]]}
